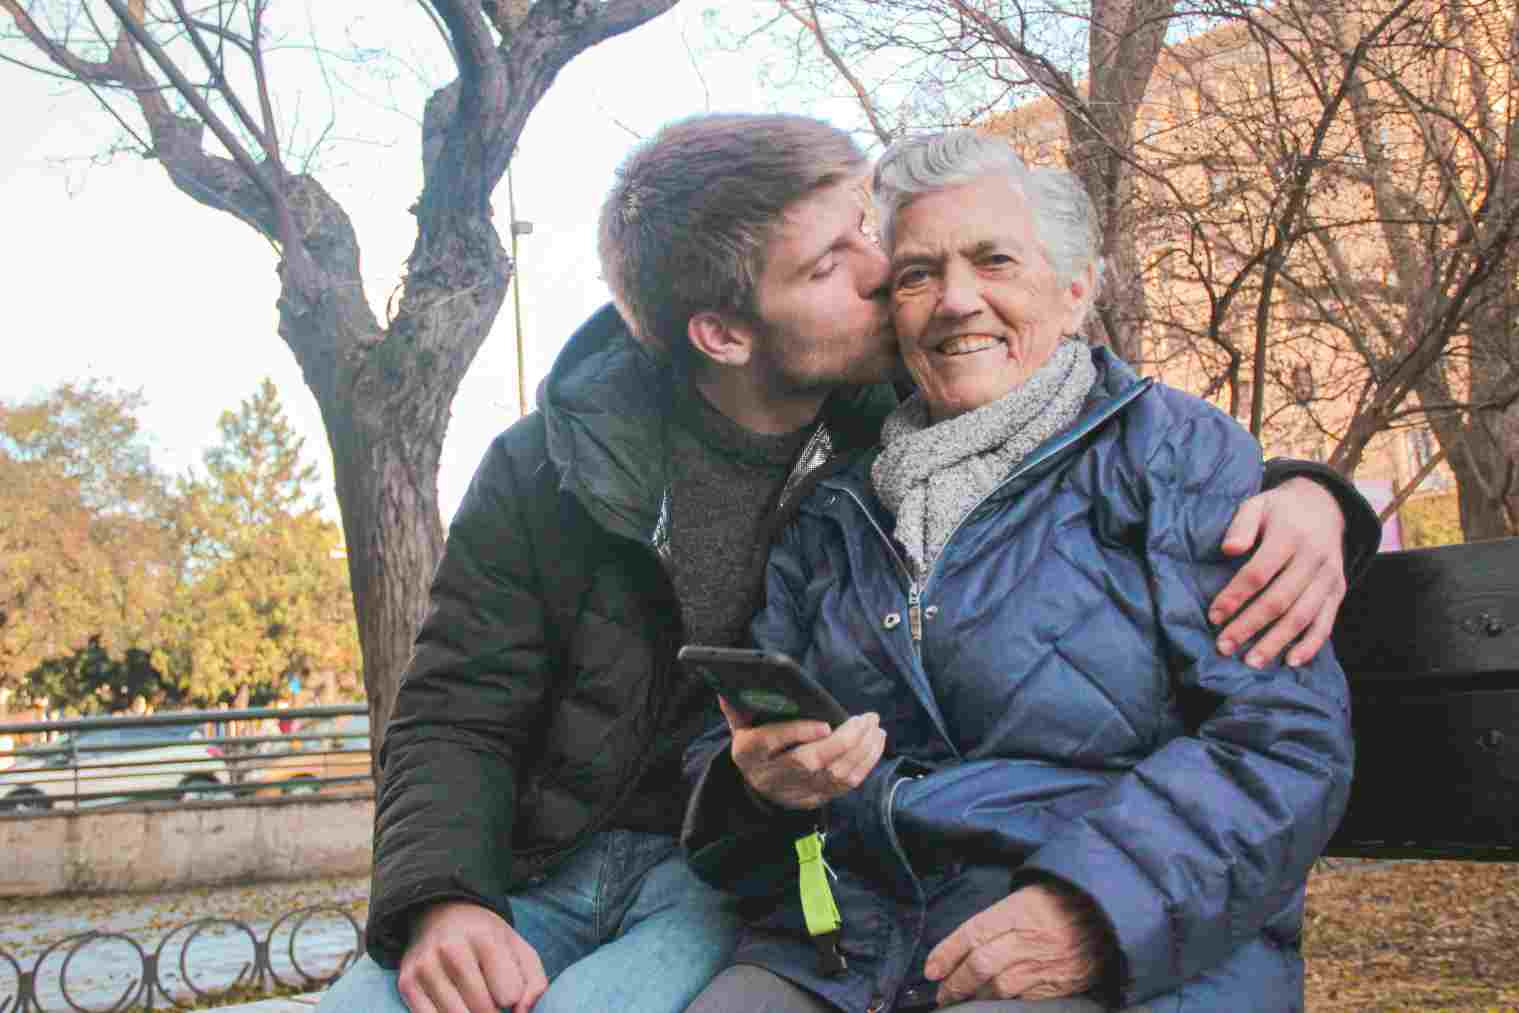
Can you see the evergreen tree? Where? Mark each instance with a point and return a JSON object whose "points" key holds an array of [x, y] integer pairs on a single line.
{"points": [[264, 596]]}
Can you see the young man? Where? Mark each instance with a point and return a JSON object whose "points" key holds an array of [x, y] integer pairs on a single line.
{"points": [[526, 829]]}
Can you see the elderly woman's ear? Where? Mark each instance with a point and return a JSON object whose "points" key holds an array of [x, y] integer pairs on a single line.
{"points": [[1082, 289]]}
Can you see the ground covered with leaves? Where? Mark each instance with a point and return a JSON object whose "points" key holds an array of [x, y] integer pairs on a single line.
{"points": [[1426, 936], [30, 924], [1414, 936]]}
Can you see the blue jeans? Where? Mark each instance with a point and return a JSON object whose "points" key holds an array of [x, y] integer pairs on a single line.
{"points": [[624, 924]]}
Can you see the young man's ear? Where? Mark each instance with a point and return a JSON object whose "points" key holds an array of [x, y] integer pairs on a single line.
{"points": [[719, 339]]}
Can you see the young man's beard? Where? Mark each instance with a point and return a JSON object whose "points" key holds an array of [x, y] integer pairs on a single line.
{"points": [[786, 380]]}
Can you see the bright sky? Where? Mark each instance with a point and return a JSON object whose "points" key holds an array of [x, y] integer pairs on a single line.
{"points": [[109, 271]]}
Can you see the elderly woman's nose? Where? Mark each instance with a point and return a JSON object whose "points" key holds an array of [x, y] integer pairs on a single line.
{"points": [[959, 292]]}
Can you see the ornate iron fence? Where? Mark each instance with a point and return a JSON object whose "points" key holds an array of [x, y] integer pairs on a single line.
{"points": [[165, 977]]}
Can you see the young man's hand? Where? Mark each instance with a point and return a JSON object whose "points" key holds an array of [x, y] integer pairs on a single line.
{"points": [[465, 958], [802, 764], [1300, 564]]}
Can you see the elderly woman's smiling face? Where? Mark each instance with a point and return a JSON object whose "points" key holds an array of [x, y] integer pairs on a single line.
{"points": [[977, 306]]}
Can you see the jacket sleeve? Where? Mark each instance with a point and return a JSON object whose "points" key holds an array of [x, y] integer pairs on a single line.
{"points": [[1363, 528], [732, 840], [1193, 850], [465, 709]]}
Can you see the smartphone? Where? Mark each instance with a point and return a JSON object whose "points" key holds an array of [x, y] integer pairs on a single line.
{"points": [[766, 685]]}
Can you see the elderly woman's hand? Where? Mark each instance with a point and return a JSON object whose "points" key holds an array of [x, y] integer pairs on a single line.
{"points": [[1044, 941], [1294, 581], [802, 764]]}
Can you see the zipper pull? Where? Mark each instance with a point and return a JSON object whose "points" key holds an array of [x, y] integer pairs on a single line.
{"points": [[821, 913], [915, 614]]}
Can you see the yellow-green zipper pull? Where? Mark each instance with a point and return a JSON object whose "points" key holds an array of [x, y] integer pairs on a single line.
{"points": [[818, 906]]}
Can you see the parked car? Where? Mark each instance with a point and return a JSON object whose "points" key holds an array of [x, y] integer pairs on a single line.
{"points": [[330, 748], [102, 762]]}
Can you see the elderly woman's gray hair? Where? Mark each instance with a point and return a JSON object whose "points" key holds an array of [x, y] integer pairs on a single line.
{"points": [[1064, 219]]}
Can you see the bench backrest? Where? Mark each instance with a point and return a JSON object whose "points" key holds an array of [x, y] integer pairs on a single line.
{"points": [[1430, 641]]}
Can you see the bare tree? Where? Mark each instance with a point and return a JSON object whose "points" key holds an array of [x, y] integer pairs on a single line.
{"points": [[1331, 203], [1440, 139], [1234, 145], [383, 386]]}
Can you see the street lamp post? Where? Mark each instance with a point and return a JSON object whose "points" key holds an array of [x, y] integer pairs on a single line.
{"points": [[519, 228]]}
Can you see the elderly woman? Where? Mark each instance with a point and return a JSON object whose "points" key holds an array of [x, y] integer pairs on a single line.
{"points": [[1055, 793]]}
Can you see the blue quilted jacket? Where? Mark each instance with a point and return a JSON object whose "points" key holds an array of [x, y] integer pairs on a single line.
{"points": [[1058, 711]]}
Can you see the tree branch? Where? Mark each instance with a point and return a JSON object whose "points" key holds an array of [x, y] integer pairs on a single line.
{"points": [[220, 82], [862, 95], [222, 33], [695, 69], [1296, 200], [104, 72], [437, 23], [461, 123], [188, 92], [261, 82], [1402, 495], [471, 127]]}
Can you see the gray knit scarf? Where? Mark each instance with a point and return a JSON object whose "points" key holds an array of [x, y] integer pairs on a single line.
{"points": [[931, 476]]}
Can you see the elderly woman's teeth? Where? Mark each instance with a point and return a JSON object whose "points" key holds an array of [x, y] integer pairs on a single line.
{"points": [[966, 343]]}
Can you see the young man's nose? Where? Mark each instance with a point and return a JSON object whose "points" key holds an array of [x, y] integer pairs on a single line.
{"points": [[874, 273]]}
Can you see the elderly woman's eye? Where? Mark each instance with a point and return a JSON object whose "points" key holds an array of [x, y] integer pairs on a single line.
{"points": [[910, 279]]}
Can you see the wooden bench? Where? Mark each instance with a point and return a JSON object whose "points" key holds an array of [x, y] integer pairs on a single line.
{"points": [[1430, 641]]}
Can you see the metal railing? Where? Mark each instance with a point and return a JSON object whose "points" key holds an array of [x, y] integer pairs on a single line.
{"points": [[182, 970], [119, 760]]}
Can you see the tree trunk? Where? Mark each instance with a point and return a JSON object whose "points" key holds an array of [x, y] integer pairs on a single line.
{"points": [[1483, 466], [1100, 163], [1483, 514], [386, 481], [384, 396], [1123, 309]]}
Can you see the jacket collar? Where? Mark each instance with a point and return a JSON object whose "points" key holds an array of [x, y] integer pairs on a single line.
{"points": [[1116, 388], [607, 405]]}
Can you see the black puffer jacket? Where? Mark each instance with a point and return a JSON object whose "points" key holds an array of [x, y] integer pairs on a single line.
{"points": [[539, 685]]}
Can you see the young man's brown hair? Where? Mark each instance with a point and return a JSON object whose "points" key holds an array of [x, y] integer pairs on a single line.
{"points": [[684, 228]]}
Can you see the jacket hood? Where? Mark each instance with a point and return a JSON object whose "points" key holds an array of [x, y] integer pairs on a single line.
{"points": [[603, 404], [606, 406]]}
